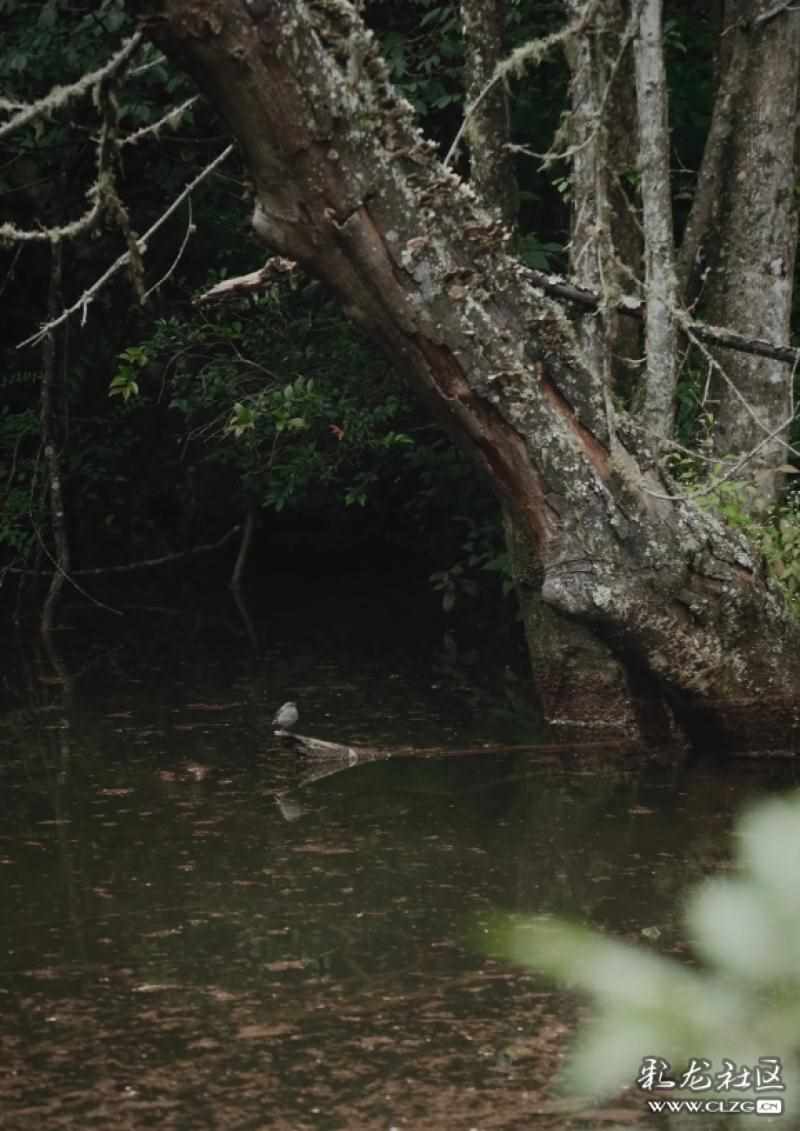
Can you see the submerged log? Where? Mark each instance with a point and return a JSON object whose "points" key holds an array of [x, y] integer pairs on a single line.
{"points": [[336, 753]]}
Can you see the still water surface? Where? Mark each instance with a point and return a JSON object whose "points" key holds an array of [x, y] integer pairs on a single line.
{"points": [[196, 933]]}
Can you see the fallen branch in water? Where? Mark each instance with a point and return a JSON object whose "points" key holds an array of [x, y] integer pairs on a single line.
{"points": [[357, 755]]}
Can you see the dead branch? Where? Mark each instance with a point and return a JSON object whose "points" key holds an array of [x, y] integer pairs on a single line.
{"points": [[246, 284], [775, 10], [172, 119]]}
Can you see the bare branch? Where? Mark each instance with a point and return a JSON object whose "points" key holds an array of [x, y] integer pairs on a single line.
{"points": [[563, 152], [149, 563], [159, 61], [10, 233], [634, 308], [102, 193], [775, 10], [171, 118], [244, 284], [491, 163], [190, 230]]}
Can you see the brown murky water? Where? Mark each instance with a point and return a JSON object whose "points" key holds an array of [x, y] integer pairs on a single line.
{"points": [[196, 934]]}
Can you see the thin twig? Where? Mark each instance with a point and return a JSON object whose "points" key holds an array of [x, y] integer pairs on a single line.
{"points": [[171, 118], [775, 10], [144, 67], [190, 229], [10, 271]]}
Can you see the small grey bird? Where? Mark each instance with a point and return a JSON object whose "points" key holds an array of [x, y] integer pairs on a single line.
{"points": [[286, 717]]}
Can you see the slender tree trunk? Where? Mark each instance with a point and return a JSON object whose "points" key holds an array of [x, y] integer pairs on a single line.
{"points": [[746, 230], [245, 543], [704, 212], [50, 445], [661, 290], [488, 132], [346, 185], [606, 242]]}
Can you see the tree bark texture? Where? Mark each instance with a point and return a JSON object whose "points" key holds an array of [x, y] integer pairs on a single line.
{"points": [[605, 241], [750, 233], [661, 290], [704, 211], [345, 184], [491, 164]]}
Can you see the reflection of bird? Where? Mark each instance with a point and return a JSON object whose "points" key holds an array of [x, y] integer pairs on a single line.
{"points": [[290, 807], [286, 717]]}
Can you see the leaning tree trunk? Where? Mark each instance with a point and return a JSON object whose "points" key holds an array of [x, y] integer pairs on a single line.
{"points": [[657, 408], [345, 183], [743, 230]]}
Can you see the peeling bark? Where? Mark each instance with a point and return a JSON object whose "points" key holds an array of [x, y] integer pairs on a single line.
{"points": [[346, 184]]}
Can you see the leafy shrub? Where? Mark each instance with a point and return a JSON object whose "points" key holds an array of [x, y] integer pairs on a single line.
{"points": [[276, 403], [742, 1006], [774, 531]]}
